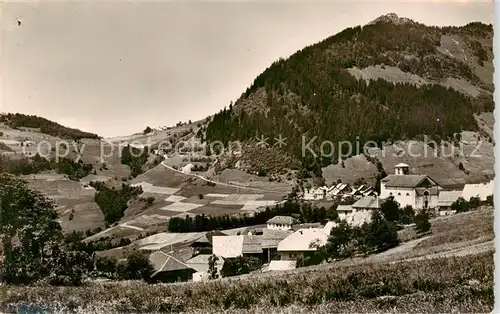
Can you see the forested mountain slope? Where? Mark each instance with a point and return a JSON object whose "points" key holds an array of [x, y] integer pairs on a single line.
{"points": [[393, 79]]}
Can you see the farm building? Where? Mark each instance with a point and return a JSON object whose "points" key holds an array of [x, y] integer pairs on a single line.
{"points": [[281, 223], [359, 212], [303, 241], [337, 190], [368, 203], [170, 269], [418, 191], [315, 193], [446, 198], [481, 190], [344, 210]]}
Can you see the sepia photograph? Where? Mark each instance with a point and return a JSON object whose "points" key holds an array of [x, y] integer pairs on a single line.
{"points": [[247, 156]]}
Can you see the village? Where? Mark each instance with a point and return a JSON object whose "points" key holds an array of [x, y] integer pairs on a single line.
{"points": [[283, 240]]}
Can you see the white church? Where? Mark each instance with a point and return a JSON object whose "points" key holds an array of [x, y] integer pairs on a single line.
{"points": [[418, 191]]}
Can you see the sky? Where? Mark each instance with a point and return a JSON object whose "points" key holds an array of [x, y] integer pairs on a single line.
{"points": [[115, 67]]}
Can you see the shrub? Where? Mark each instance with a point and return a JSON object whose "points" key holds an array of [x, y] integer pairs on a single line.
{"points": [[422, 223], [136, 266], [32, 239], [460, 205], [489, 200], [474, 202], [240, 265], [212, 267], [407, 215], [390, 209]]}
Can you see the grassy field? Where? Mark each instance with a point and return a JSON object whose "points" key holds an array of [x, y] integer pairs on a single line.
{"points": [[462, 284], [442, 272]]}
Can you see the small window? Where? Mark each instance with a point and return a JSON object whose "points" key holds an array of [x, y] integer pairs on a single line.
{"points": [[399, 194], [407, 194], [390, 194]]}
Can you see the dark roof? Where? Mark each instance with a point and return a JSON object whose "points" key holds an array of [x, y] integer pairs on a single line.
{"points": [[406, 181], [207, 238], [251, 245], [283, 220], [271, 238], [164, 263]]}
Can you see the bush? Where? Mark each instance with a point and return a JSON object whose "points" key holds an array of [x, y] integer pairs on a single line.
{"points": [[474, 202], [407, 215], [136, 266], [150, 200], [422, 223], [240, 265], [106, 266], [32, 239], [379, 234], [390, 209], [489, 200], [460, 205]]}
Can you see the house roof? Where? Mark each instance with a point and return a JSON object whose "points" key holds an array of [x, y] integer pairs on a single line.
{"points": [[271, 238], [282, 220], [281, 265], [166, 239], [163, 262], [251, 244], [401, 165], [302, 239], [207, 238], [345, 208], [406, 181], [369, 202], [446, 198]]}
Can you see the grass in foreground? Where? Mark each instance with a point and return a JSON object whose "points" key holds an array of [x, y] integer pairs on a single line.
{"points": [[462, 284]]}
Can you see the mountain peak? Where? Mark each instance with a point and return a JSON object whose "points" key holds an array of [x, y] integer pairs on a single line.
{"points": [[391, 18]]}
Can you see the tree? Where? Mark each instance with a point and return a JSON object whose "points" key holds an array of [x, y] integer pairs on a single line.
{"points": [[489, 200], [422, 222], [32, 238], [136, 266], [212, 267], [341, 241], [407, 215], [390, 209], [460, 205], [147, 130], [474, 202], [380, 234]]}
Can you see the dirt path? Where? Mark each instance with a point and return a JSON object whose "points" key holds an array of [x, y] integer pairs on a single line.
{"points": [[216, 182]]}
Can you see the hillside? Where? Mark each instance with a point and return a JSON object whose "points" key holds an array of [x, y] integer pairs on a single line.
{"points": [[449, 270], [18, 120], [361, 85]]}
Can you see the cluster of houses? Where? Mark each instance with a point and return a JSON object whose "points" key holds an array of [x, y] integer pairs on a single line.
{"points": [[283, 240], [419, 191], [339, 190]]}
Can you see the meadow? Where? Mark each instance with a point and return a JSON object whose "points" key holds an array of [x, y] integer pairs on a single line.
{"points": [[450, 284]]}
